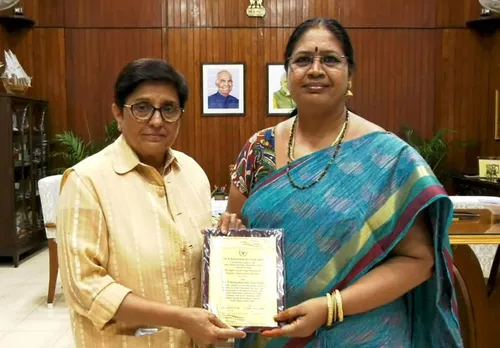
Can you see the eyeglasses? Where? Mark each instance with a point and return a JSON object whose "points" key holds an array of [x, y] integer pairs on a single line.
{"points": [[143, 111], [329, 61]]}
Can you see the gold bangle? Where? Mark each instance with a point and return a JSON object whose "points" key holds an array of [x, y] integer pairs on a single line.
{"points": [[329, 300], [335, 314], [340, 309]]}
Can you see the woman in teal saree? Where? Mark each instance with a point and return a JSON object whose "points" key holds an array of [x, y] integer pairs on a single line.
{"points": [[364, 215]]}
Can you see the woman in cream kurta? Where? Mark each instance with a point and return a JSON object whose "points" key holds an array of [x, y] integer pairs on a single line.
{"points": [[130, 239]]}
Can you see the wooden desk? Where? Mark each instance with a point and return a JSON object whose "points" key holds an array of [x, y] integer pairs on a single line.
{"points": [[478, 301]]}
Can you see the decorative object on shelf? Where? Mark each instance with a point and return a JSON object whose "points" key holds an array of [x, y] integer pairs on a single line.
{"points": [[25, 122], [42, 122], [256, 9], [14, 122], [489, 168], [15, 80]]}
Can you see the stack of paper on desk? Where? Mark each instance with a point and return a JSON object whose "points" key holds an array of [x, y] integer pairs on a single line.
{"points": [[474, 202]]}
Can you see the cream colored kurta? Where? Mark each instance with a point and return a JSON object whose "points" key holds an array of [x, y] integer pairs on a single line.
{"points": [[123, 227]]}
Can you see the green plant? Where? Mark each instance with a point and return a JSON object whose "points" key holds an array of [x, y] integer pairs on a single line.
{"points": [[71, 148], [112, 132], [434, 150]]}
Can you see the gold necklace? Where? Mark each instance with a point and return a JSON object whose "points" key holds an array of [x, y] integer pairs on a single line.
{"points": [[332, 159], [290, 156]]}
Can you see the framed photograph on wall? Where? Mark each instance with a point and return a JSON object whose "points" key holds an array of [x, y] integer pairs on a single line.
{"points": [[279, 101], [223, 88]]}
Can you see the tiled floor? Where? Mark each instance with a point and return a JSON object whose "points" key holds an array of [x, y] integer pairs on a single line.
{"points": [[25, 320]]}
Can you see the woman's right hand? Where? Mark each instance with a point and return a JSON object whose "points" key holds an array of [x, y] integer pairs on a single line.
{"points": [[205, 328], [229, 221]]}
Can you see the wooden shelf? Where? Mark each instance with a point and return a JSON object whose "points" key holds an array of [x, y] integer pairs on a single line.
{"points": [[16, 22], [485, 25]]}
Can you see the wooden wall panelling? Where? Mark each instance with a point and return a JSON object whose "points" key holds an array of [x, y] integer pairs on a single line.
{"points": [[46, 13], [490, 146], [3, 44], [178, 55], [394, 80], [49, 74], [406, 74], [454, 13], [388, 13], [394, 84], [200, 37], [114, 14], [462, 92], [84, 91], [94, 58], [117, 47], [215, 141], [231, 13]]}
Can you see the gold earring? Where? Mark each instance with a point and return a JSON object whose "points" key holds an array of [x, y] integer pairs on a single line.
{"points": [[349, 93]]}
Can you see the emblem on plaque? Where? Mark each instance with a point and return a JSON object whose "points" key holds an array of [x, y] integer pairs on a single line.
{"points": [[256, 9]]}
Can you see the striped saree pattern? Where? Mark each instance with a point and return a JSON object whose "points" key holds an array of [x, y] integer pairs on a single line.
{"points": [[342, 228]]}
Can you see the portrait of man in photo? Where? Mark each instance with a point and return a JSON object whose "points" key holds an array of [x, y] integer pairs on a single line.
{"points": [[223, 88], [222, 99]]}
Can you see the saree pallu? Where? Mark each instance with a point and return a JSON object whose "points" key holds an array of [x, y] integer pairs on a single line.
{"points": [[346, 225]]}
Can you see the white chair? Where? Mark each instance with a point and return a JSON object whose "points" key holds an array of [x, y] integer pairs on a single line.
{"points": [[49, 196]]}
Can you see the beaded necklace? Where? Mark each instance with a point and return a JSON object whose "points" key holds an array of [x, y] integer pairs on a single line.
{"points": [[291, 148]]}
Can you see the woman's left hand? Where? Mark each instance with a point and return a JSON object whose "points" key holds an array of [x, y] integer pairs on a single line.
{"points": [[304, 319]]}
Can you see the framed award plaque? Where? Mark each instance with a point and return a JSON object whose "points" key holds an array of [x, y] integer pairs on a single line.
{"points": [[243, 277]]}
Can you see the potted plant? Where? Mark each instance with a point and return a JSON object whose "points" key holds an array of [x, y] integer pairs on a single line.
{"points": [[71, 148], [434, 150]]}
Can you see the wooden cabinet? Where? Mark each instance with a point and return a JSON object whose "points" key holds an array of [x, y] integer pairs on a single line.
{"points": [[463, 186], [24, 159]]}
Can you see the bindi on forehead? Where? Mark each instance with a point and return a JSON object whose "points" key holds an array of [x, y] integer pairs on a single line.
{"points": [[316, 49]]}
